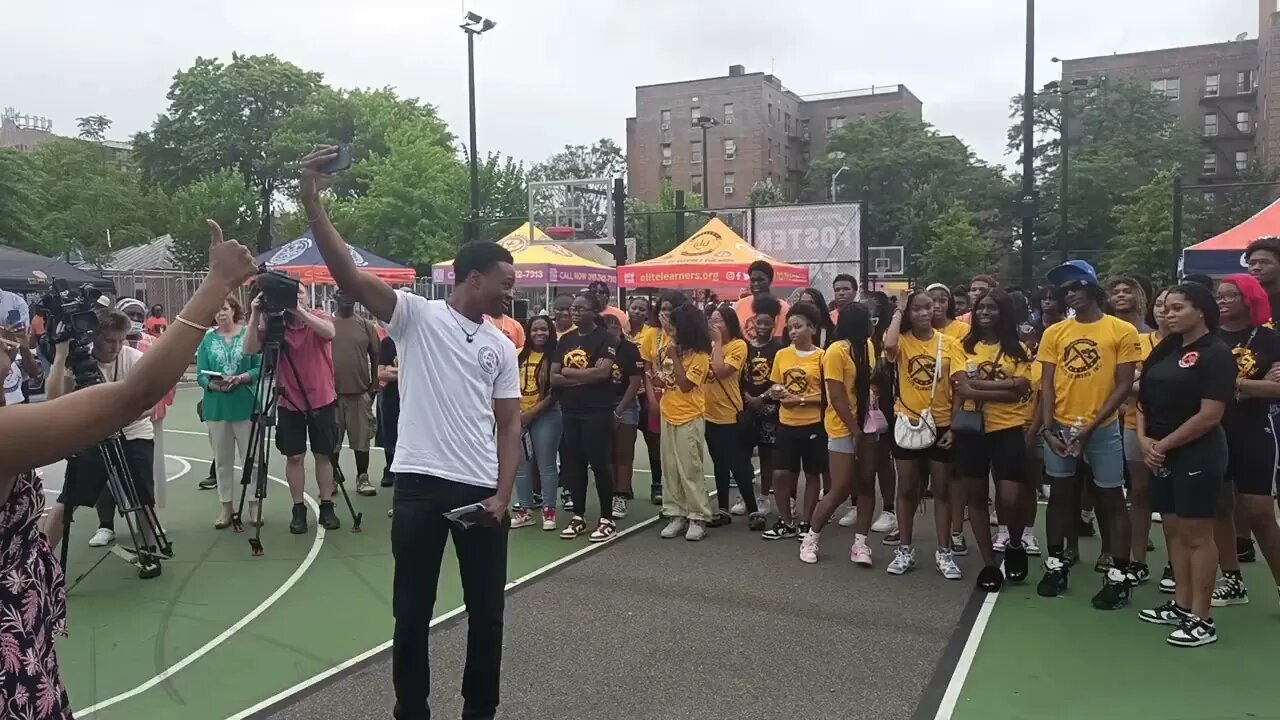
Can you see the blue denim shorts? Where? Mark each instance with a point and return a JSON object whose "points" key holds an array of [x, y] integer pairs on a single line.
{"points": [[1104, 455], [631, 415]]}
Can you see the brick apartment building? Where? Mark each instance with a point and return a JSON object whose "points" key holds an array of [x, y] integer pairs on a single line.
{"points": [[764, 132], [1227, 93]]}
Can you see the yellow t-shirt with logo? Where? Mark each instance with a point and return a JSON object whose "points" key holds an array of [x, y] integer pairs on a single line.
{"points": [[838, 365], [1029, 404], [648, 334], [799, 376], [653, 345], [724, 396], [1085, 356], [530, 393], [679, 407], [957, 329], [999, 415], [1147, 341], [916, 362]]}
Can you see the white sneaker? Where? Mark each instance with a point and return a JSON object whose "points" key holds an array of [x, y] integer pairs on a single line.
{"points": [[675, 528], [1155, 517], [945, 561], [619, 507], [809, 548], [765, 503], [886, 523], [102, 538], [739, 507], [849, 517], [1000, 539], [697, 530], [904, 559], [1029, 542]]}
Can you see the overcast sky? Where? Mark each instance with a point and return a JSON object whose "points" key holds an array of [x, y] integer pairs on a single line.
{"points": [[556, 72]]}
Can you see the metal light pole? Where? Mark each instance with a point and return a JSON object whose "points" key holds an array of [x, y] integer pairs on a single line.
{"points": [[474, 25], [705, 122], [1028, 199], [833, 181]]}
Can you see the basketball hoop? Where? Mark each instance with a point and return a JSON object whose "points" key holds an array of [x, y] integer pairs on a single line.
{"points": [[562, 233]]}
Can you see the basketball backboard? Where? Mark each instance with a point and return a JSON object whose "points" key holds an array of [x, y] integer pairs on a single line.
{"points": [[887, 261], [585, 205]]}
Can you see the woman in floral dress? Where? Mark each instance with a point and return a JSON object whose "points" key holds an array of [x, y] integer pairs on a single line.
{"points": [[32, 591]]}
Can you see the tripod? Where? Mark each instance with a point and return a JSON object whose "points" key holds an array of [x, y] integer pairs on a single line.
{"points": [[263, 419]]}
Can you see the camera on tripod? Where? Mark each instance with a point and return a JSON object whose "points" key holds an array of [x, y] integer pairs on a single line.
{"points": [[73, 318], [279, 291]]}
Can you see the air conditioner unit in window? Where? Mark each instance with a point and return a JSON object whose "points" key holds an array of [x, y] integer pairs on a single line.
{"points": [[728, 119], [666, 125], [666, 161], [730, 155], [728, 189]]}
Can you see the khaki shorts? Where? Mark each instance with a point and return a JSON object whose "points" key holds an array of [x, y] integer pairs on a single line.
{"points": [[355, 421]]}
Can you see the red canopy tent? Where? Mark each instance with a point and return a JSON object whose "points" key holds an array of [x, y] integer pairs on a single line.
{"points": [[1223, 254]]}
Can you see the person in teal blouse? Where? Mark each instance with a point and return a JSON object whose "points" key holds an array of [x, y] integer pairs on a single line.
{"points": [[229, 378]]}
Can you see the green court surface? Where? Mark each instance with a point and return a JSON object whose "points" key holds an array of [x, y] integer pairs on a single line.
{"points": [[1060, 658], [220, 630]]}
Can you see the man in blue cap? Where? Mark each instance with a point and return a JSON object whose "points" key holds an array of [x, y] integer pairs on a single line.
{"points": [[1089, 361]]}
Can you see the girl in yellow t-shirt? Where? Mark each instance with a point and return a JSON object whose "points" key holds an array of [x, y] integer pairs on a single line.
{"points": [[996, 381], [915, 346], [540, 419], [683, 371], [724, 405], [643, 330], [802, 440], [944, 312], [846, 370]]}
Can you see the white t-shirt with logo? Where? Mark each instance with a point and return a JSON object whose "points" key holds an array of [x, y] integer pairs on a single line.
{"points": [[117, 370], [14, 312], [447, 388]]}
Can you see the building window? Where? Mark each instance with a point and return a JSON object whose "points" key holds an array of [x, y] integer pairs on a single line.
{"points": [[1244, 82], [769, 155], [1211, 125], [834, 123], [770, 113], [694, 114], [1171, 88], [666, 153], [787, 124], [1211, 84], [728, 113], [728, 183], [1244, 123], [1242, 160], [695, 184], [695, 151], [730, 149], [1210, 197], [666, 119], [1210, 164]]}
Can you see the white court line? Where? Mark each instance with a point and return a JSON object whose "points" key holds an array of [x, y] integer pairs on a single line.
{"points": [[952, 696], [442, 618], [225, 635]]}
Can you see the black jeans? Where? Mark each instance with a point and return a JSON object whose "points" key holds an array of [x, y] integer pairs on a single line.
{"points": [[725, 443], [418, 534], [653, 445], [588, 441]]}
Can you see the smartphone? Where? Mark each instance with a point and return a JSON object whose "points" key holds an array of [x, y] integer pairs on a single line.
{"points": [[340, 162], [213, 374], [467, 516]]}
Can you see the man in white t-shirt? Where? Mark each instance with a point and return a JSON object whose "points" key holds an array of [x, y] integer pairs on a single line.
{"points": [[15, 316], [458, 445], [86, 477]]}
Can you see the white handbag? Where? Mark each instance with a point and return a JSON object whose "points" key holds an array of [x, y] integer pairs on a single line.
{"points": [[920, 434]]}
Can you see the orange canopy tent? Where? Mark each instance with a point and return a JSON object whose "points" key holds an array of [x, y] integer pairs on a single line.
{"points": [[1223, 254], [714, 257]]}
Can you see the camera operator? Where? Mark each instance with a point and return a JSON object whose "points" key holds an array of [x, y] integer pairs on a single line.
{"points": [[15, 321], [308, 402], [459, 445], [42, 433]]}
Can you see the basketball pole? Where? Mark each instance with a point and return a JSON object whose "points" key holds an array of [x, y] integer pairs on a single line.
{"points": [[620, 232]]}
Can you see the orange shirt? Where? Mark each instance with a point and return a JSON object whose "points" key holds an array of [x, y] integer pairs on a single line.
{"points": [[509, 327], [745, 315]]}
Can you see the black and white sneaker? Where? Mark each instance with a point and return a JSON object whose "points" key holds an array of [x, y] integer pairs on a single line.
{"points": [[1105, 563], [1015, 563], [1245, 551], [1230, 591], [958, 544], [1194, 632], [802, 529], [1167, 583], [892, 539], [1166, 614], [566, 500], [780, 531], [1054, 582], [1138, 573], [1115, 591]]}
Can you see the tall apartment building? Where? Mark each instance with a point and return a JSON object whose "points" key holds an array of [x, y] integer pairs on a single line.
{"points": [[762, 132], [1227, 93]]}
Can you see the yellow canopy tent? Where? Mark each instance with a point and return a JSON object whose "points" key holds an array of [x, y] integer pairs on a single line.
{"points": [[539, 262], [713, 257]]}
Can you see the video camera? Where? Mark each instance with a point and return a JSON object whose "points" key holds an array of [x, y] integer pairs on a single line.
{"points": [[72, 318], [279, 291]]}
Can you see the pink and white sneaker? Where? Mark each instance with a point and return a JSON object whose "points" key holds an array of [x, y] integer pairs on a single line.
{"points": [[860, 554], [521, 518], [548, 519], [809, 548]]}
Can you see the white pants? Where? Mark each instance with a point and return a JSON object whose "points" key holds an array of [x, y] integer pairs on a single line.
{"points": [[230, 441], [159, 474]]}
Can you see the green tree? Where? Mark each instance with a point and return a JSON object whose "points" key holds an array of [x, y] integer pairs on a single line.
{"points": [[956, 250], [220, 196], [20, 202], [601, 159], [226, 117], [1232, 206], [766, 193], [504, 196], [93, 127], [1144, 230], [653, 225]]}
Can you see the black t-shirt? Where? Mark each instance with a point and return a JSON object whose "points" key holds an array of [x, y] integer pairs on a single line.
{"points": [[1172, 388], [1274, 298], [627, 365], [759, 365], [1255, 350], [582, 351], [387, 356]]}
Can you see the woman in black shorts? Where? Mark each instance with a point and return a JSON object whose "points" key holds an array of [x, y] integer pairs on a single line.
{"points": [[761, 433], [998, 377], [926, 361], [802, 439], [1186, 384], [1251, 441]]}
